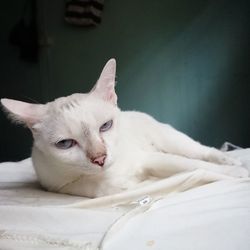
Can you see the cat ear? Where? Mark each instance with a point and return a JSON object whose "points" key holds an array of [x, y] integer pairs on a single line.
{"points": [[23, 112], [105, 86]]}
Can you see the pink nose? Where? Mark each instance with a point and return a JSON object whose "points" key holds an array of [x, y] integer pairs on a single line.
{"points": [[100, 160]]}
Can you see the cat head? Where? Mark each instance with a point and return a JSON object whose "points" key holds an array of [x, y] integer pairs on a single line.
{"points": [[79, 130]]}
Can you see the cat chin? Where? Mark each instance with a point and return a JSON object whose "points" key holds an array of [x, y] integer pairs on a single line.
{"points": [[92, 171]]}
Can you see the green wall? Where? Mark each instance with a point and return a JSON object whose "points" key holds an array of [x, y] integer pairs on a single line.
{"points": [[184, 62]]}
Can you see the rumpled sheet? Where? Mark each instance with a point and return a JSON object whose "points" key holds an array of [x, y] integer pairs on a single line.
{"points": [[191, 210]]}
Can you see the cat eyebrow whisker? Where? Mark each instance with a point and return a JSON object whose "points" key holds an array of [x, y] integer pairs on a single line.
{"points": [[85, 129], [32, 99], [70, 105]]}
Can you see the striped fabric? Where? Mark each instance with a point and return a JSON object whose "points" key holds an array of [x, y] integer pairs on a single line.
{"points": [[84, 12]]}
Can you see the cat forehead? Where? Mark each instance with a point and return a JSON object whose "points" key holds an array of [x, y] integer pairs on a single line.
{"points": [[68, 102], [81, 107]]}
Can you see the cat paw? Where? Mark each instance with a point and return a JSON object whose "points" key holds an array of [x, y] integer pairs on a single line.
{"points": [[219, 157], [226, 160], [243, 172], [236, 171]]}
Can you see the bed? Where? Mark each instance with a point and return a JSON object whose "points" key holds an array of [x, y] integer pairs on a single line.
{"points": [[185, 211]]}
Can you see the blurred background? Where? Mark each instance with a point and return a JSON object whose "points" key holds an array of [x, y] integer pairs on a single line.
{"points": [[184, 62]]}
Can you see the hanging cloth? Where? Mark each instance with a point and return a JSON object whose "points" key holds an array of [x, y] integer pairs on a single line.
{"points": [[24, 34], [84, 12]]}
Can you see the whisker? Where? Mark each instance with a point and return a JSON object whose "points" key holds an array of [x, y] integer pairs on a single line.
{"points": [[31, 99]]}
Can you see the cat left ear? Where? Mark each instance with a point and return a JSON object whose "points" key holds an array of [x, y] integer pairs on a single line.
{"points": [[23, 112], [105, 86]]}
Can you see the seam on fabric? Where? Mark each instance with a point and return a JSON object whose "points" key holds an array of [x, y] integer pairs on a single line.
{"points": [[36, 239]]}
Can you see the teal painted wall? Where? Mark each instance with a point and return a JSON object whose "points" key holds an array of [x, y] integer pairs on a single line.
{"points": [[184, 62], [17, 80]]}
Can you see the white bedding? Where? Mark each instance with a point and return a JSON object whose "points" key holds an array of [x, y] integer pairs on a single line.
{"points": [[186, 211]]}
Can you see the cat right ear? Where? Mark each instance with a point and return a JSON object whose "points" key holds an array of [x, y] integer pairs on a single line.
{"points": [[105, 86], [23, 112]]}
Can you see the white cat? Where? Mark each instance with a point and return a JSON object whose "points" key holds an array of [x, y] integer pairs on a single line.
{"points": [[84, 145]]}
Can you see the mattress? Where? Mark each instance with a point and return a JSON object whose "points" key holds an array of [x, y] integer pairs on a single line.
{"points": [[192, 210]]}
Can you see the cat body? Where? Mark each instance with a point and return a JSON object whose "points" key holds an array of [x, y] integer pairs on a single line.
{"points": [[85, 145]]}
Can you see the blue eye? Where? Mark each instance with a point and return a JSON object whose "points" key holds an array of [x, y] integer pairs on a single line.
{"points": [[106, 126], [66, 144]]}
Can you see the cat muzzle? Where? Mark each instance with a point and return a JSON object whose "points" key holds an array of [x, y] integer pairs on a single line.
{"points": [[100, 160]]}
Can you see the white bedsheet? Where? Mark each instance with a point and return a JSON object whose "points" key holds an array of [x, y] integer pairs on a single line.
{"points": [[183, 212]]}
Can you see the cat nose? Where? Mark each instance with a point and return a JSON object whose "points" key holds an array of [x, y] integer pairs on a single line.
{"points": [[100, 160]]}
